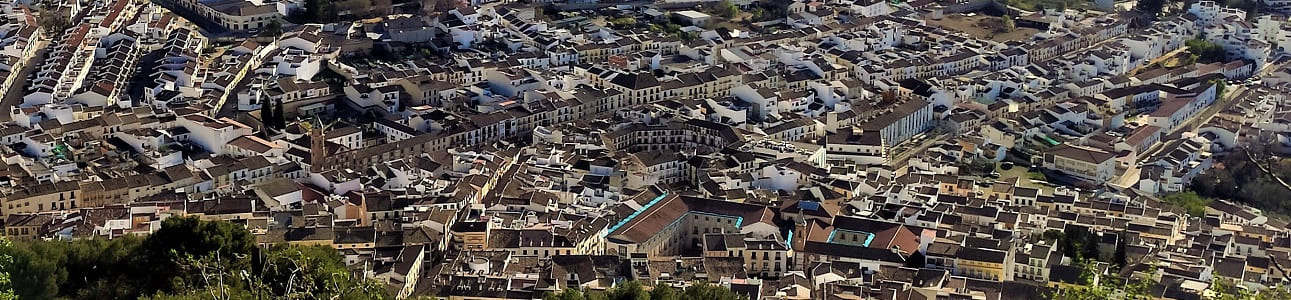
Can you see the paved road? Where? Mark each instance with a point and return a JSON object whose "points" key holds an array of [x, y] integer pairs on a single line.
{"points": [[14, 96], [1129, 178], [209, 28], [1237, 94], [230, 105], [141, 80], [901, 158]]}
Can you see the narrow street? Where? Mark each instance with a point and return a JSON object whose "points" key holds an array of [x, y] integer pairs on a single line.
{"points": [[1238, 93], [901, 158], [14, 96]]}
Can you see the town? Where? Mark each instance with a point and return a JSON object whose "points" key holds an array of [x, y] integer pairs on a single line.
{"points": [[795, 149]]}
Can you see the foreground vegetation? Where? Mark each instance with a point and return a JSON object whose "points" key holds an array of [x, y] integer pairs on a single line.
{"points": [[633, 291], [1116, 287], [186, 259], [1238, 176], [1121, 280]]}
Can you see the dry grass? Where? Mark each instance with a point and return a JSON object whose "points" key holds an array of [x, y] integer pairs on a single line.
{"points": [[982, 27]]}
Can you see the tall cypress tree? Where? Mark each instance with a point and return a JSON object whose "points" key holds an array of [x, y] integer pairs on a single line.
{"points": [[1120, 257], [280, 120], [1090, 246], [266, 116]]}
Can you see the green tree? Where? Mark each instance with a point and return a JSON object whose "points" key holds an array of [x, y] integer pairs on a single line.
{"points": [[623, 22], [710, 292], [726, 9], [279, 118], [672, 28], [207, 293], [182, 239], [319, 11], [86, 269], [1223, 290], [980, 165], [1206, 51], [1220, 87], [266, 117], [1052, 235], [1036, 176], [1150, 7], [1120, 257], [1108, 287], [313, 11], [54, 21], [6, 261], [1071, 240], [360, 8], [567, 294], [309, 272], [1275, 292], [628, 291], [1087, 290], [633, 290], [687, 36], [773, 10], [1089, 247], [1008, 23], [186, 259], [1191, 202], [664, 293], [273, 29]]}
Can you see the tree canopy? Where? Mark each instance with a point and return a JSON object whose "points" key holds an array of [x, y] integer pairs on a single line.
{"points": [[1238, 177], [1140, 287], [1205, 51], [6, 260], [980, 165], [1151, 7], [726, 9], [634, 291], [1190, 201], [770, 10], [187, 258]]}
